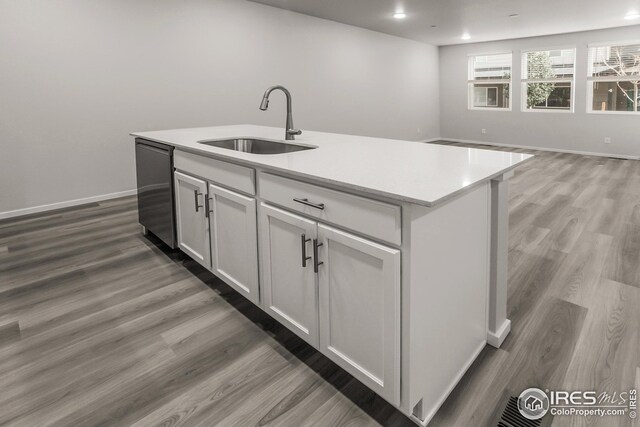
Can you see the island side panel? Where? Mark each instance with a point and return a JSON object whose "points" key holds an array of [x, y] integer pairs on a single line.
{"points": [[446, 295], [499, 325]]}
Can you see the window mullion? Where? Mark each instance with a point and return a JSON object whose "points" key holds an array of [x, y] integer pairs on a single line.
{"points": [[548, 81], [614, 78]]}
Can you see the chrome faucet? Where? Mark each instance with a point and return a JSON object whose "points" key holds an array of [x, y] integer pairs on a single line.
{"points": [[289, 130]]}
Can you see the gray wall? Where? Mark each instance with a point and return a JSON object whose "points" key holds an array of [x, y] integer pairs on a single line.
{"points": [[578, 131], [77, 76]]}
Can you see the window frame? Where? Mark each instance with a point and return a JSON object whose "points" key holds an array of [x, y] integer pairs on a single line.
{"points": [[524, 81], [472, 82], [606, 79]]}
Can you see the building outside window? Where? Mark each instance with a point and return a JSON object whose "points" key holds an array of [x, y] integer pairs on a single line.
{"points": [[614, 78], [548, 79], [490, 81]]}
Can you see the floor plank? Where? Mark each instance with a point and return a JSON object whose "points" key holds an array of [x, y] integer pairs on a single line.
{"points": [[607, 354], [9, 332]]}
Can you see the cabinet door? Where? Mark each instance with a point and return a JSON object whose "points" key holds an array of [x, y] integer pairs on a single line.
{"points": [[288, 281], [359, 286], [192, 223], [234, 242]]}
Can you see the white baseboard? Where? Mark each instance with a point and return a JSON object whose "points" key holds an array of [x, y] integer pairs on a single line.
{"points": [[529, 147], [68, 203], [495, 339]]}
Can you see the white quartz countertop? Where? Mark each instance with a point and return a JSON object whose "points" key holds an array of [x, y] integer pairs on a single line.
{"points": [[414, 172]]}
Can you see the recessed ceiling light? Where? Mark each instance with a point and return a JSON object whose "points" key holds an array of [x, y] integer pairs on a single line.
{"points": [[399, 15], [466, 36], [632, 15], [514, 15], [434, 26]]}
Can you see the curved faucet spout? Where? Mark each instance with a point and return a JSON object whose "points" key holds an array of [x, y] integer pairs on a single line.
{"points": [[290, 131]]}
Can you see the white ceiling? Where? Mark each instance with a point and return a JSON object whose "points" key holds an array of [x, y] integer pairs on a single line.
{"points": [[483, 20]]}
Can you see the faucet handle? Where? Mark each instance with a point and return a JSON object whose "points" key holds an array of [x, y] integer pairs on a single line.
{"points": [[294, 132]]}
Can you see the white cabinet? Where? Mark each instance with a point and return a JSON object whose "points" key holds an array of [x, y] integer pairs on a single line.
{"points": [[359, 307], [288, 281], [234, 246], [217, 228], [191, 217], [338, 291]]}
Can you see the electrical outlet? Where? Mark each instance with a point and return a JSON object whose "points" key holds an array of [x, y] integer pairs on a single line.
{"points": [[607, 140], [484, 131]]}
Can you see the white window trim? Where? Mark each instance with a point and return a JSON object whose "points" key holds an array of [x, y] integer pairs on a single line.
{"points": [[605, 79], [545, 48], [524, 81], [485, 53], [614, 113], [614, 43], [471, 83]]}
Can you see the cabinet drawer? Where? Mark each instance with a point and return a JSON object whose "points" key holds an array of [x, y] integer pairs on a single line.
{"points": [[369, 217], [227, 174]]}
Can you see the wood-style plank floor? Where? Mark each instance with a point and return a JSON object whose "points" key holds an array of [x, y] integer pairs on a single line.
{"points": [[102, 326]]}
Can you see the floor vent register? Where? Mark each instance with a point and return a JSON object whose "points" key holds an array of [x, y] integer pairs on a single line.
{"points": [[511, 417]]}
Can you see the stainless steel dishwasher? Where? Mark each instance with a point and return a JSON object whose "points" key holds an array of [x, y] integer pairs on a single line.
{"points": [[154, 171]]}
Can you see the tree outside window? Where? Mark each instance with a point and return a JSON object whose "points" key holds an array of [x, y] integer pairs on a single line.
{"points": [[615, 78], [548, 79], [538, 93]]}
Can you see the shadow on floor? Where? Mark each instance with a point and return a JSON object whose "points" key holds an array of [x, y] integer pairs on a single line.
{"points": [[372, 404]]}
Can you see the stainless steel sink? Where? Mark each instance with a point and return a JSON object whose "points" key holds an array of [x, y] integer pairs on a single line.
{"points": [[256, 146]]}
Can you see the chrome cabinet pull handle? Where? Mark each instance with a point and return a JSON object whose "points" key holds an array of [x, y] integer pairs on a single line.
{"points": [[305, 258], [209, 201], [308, 203], [316, 263], [197, 194]]}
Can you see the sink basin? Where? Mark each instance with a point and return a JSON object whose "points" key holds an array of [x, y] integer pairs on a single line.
{"points": [[256, 146]]}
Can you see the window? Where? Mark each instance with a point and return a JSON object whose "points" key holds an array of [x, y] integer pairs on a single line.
{"points": [[614, 78], [547, 80], [490, 81]]}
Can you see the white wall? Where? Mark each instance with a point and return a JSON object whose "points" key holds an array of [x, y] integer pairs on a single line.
{"points": [[577, 132], [77, 76]]}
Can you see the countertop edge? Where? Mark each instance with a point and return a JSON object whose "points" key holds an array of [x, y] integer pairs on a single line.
{"points": [[366, 190]]}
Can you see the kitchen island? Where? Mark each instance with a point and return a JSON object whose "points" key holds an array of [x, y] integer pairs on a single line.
{"points": [[388, 256]]}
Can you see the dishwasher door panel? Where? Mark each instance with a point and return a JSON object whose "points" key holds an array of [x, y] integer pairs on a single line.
{"points": [[154, 170]]}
